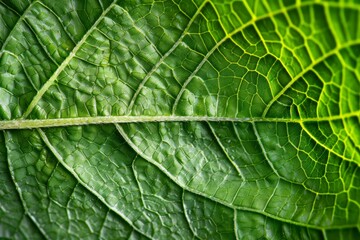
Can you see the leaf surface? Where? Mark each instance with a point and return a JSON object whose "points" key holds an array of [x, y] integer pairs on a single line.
{"points": [[198, 119]]}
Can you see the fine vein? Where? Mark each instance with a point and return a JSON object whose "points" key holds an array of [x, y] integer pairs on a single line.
{"points": [[63, 65]]}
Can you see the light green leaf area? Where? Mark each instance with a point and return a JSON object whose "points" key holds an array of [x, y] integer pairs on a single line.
{"points": [[179, 119]]}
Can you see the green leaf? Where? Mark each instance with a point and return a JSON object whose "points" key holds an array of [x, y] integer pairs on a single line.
{"points": [[195, 119]]}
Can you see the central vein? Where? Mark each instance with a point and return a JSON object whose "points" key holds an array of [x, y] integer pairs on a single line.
{"points": [[59, 122]]}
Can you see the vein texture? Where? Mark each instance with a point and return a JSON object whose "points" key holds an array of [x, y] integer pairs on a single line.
{"points": [[197, 119]]}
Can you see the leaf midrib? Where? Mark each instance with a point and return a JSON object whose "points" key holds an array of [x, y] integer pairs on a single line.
{"points": [[60, 122]]}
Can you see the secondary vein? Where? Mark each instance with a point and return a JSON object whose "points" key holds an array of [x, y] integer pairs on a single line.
{"points": [[63, 65]]}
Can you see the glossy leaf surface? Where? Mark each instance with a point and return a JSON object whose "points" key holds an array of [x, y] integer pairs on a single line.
{"points": [[192, 119]]}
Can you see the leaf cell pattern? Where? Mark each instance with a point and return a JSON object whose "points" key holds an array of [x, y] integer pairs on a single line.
{"points": [[214, 119]]}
